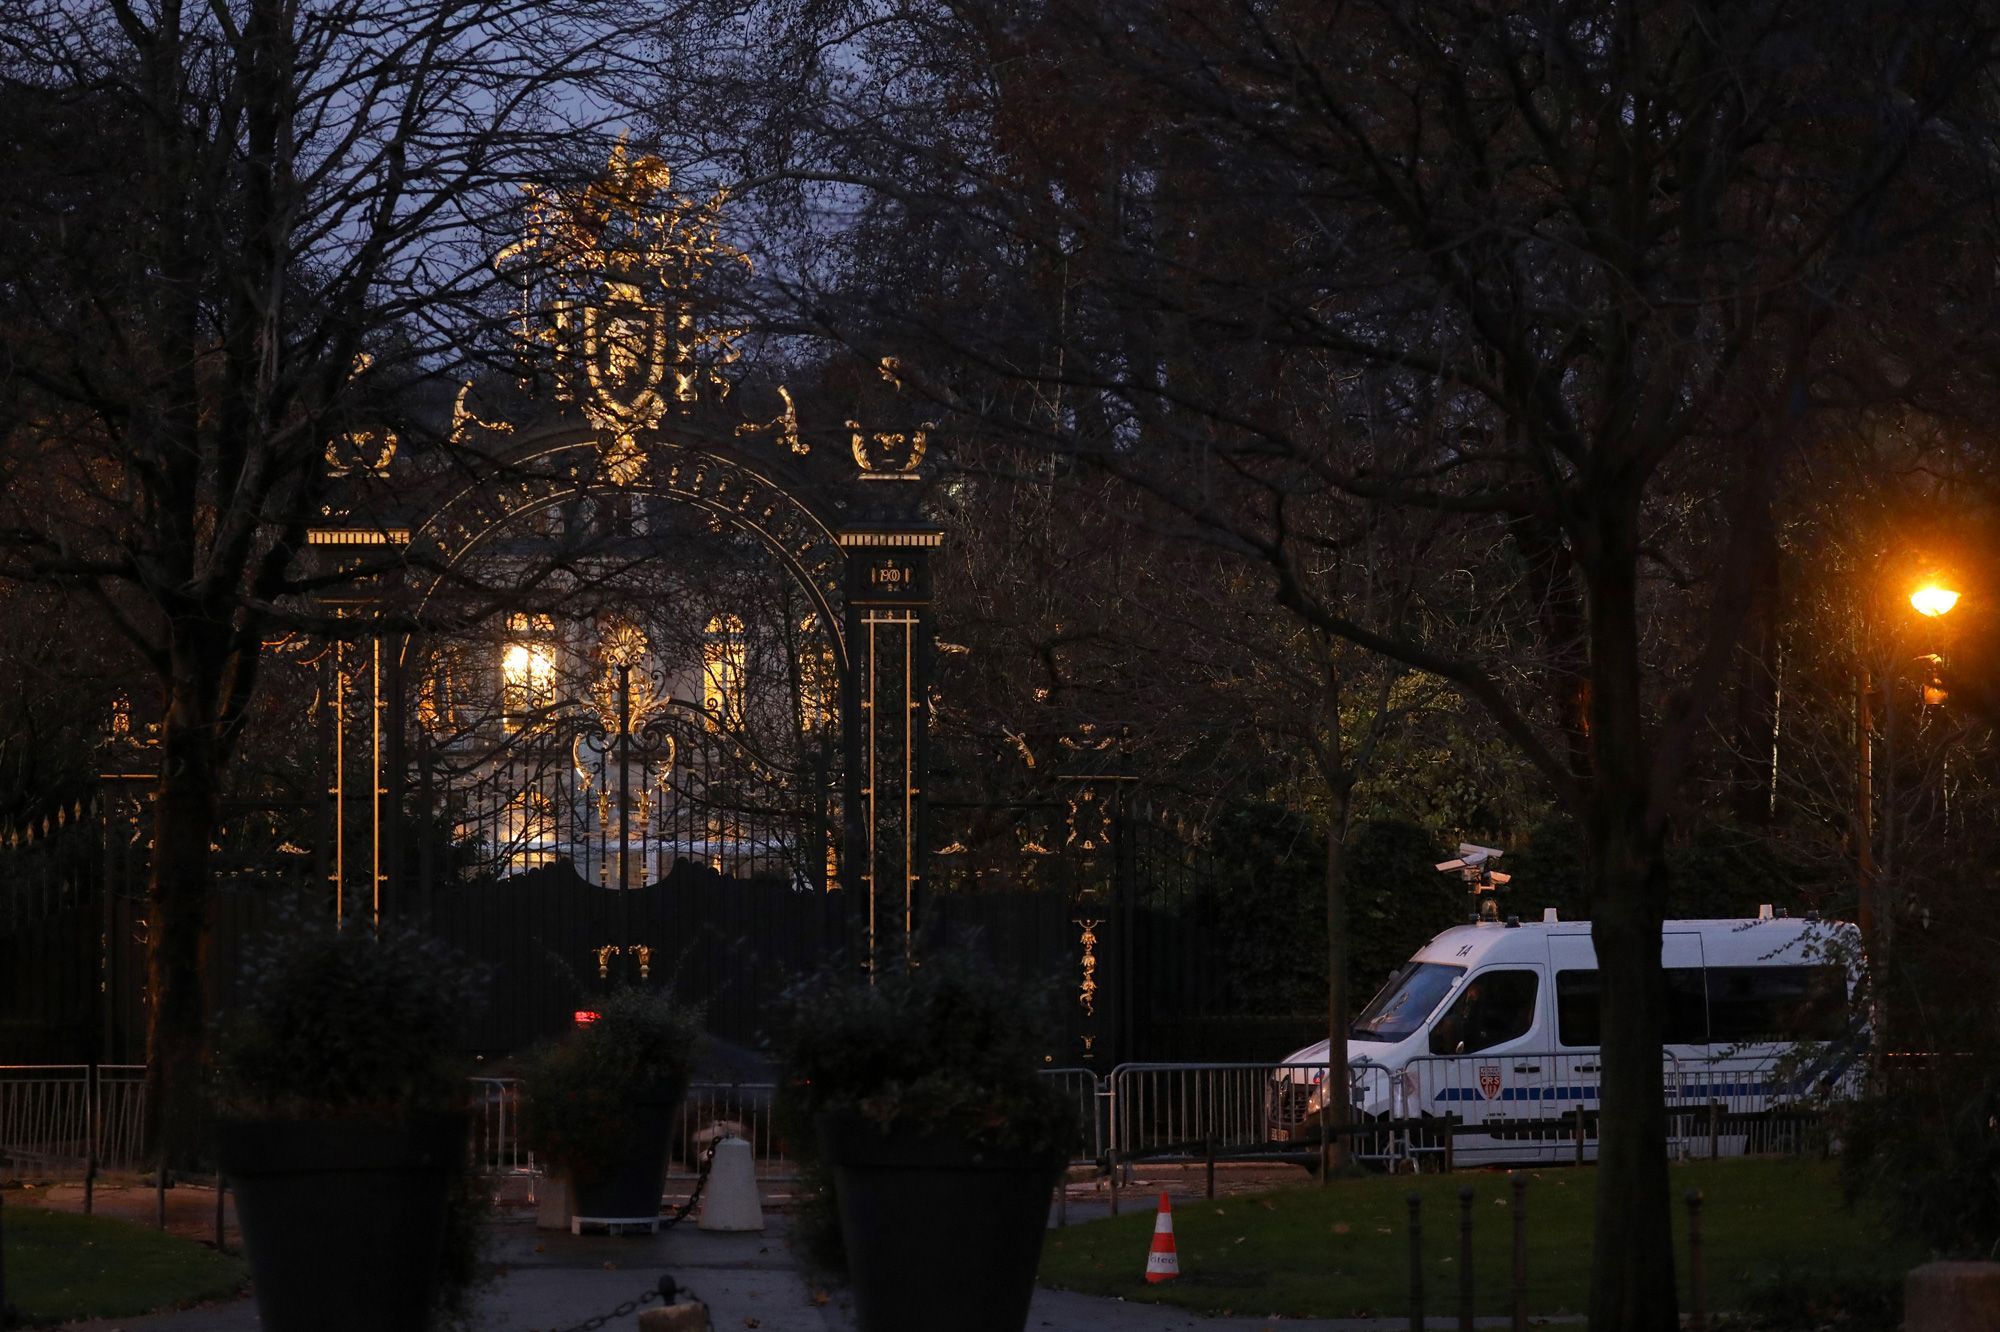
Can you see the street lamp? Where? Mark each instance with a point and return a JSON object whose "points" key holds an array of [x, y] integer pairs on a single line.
{"points": [[1933, 600]]}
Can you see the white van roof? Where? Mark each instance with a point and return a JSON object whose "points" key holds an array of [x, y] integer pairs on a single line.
{"points": [[1746, 942]]}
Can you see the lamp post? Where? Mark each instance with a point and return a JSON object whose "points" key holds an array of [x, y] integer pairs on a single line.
{"points": [[1932, 600]]}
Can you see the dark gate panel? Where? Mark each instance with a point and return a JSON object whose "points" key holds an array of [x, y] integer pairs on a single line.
{"points": [[731, 946]]}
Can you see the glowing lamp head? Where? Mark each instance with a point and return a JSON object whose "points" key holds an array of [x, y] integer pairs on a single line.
{"points": [[1932, 600]]}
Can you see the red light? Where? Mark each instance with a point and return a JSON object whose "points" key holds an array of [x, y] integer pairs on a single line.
{"points": [[584, 1017]]}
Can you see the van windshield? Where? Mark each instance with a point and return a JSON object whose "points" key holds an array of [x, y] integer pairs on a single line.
{"points": [[1410, 996]]}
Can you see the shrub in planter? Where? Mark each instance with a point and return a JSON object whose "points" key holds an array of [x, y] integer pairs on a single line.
{"points": [[600, 1103], [939, 1139], [342, 1128]]}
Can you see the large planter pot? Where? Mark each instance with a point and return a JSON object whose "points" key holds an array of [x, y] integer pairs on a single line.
{"points": [[939, 1233], [343, 1220], [630, 1187]]}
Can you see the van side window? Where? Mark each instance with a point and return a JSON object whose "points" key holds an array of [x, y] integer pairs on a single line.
{"points": [[1496, 1006], [1750, 1005], [1687, 1007], [1576, 1008]]}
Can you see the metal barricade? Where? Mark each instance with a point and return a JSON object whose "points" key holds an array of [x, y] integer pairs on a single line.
{"points": [[1188, 1109], [1087, 1091], [1759, 1102], [496, 1127], [51, 1114], [121, 1116], [711, 1110], [717, 1109]]}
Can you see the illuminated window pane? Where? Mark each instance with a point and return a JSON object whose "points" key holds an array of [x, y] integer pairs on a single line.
{"points": [[527, 682], [722, 671]]}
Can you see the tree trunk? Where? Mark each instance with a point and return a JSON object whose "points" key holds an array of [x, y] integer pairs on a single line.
{"points": [[1632, 1285], [184, 821], [1337, 1107]]}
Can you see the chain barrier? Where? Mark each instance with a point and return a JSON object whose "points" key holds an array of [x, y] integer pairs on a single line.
{"points": [[666, 1290], [700, 1183]]}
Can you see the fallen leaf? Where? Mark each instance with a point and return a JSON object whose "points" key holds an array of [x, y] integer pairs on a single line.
{"points": [[1341, 1227], [819, 1298], [611, 1267]]}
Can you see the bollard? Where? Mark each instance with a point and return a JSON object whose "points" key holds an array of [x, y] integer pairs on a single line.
{"points": [[1520, 1182], [1111, 1160], [1465, 1259], [1697, 1278], [1579, 1134], [1062, 1199], [1416, 1263], [731, 1203], [160, 1196], [1210, 1147], [1714, 1130], [220, 1186]]}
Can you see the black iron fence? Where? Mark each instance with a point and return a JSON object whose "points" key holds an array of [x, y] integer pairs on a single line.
{"points": [[725, 901]]}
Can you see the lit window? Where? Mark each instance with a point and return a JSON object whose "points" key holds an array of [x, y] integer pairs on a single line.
{"points": [[528, 832], [818, 683], [722, 671], [527, 671]]}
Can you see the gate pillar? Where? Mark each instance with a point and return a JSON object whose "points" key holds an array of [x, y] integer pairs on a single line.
{"points": [[361, 718], [886, 711]]}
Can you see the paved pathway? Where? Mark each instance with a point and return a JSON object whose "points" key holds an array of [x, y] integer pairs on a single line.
{"points": [[553, 1280]]}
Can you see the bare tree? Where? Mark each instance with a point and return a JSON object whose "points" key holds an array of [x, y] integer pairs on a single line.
{"points": [[235, 230], [1582, 278]]}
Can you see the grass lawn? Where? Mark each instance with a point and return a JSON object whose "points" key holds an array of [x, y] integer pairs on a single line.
{"points": [[61, 1265], [1343, 1250]]}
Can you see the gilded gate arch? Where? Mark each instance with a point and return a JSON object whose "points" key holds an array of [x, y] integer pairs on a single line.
{"points": [[628, 393]]}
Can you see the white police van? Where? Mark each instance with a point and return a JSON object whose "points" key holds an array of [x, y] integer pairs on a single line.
{"points": [[1495, 1024]]}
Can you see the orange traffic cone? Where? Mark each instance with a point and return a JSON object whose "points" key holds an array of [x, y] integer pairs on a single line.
{"points": [[1163, 1263]]}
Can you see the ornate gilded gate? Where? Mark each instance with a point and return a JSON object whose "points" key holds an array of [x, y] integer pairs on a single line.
{"points": [[618, 639]]}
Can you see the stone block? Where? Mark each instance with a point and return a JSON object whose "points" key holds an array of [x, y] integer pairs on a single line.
{"points": [[1952, 1297], [555, 1201], [689, 1317]]}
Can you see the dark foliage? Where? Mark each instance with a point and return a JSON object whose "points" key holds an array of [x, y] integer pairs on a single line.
{"points": [[1800, 1299], [1268, 915], [1395, 902], [1718, 869], [345, 1022], [356, 1023], [952, 1047], [949, 1047], [580, 1089]]}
